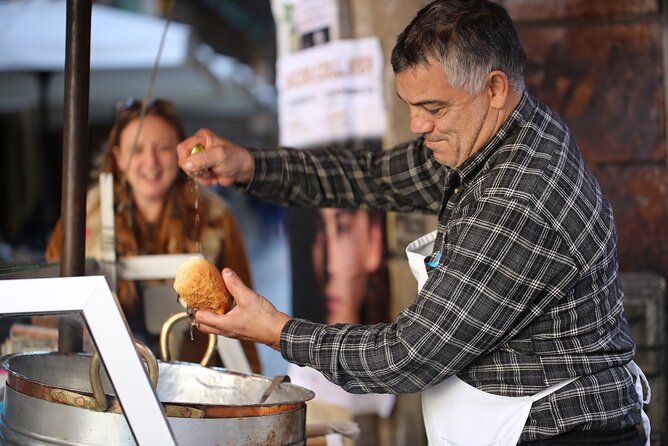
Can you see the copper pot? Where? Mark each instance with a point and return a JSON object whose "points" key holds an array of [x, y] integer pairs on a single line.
{"points": [[49, 399]]}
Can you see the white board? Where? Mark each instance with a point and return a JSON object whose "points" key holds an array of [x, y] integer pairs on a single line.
{"points": [[102, 313]]}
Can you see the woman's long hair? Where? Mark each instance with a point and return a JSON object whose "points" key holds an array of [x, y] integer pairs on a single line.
{"points": [[176, 230]]}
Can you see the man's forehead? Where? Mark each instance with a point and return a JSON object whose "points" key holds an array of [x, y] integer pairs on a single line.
{"points": [[425, 84]]}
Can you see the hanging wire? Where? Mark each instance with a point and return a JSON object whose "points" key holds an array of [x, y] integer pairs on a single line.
{"points": [[142, 113]]}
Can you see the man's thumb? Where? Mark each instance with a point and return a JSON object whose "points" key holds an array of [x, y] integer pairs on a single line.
{"points": [[234, 284]]}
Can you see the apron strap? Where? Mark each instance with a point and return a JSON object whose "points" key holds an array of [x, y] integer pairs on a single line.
{"points": [[550, 390], [639, 379]]}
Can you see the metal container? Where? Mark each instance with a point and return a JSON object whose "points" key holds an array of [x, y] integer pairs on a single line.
{"points": [[49, 400]]}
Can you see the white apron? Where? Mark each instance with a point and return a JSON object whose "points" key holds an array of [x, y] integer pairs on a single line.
{"points": [[457, 414]]}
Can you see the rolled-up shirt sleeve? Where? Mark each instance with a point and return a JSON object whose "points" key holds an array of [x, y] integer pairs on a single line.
{"points": [[403, 179]]}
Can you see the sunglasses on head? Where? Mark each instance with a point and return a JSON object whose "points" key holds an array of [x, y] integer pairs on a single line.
{"points": [[134, 105]]}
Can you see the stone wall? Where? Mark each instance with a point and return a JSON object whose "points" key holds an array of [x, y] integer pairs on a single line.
{"points": [[601, 66]]}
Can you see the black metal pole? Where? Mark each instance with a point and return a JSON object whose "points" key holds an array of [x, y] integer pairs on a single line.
{"points": [[75, 160]]}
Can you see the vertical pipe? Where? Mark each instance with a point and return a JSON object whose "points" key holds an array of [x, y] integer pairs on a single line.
{"points": [[75, 160]]}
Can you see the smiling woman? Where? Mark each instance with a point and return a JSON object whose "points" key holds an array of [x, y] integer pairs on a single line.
{"points": [[157, 212], [144, 153]]}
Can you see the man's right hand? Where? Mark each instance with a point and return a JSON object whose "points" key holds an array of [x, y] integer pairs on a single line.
{"points": [[252, 317], [221, 162]]}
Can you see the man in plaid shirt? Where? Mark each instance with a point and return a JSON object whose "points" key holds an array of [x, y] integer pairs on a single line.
{"points": [[523, 289]]}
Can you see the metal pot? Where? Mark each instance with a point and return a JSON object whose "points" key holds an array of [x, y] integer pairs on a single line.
{"points": [[49, 400]]}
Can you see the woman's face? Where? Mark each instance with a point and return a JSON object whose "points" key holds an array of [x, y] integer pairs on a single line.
{"points": [[345, 251], [153, 167]]}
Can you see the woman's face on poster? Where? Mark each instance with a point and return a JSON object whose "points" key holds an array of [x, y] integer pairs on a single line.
{"points": [[346, 249]]}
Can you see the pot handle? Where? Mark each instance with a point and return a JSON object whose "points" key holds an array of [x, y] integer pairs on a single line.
{"points": [[95, 376], [164, 339]]}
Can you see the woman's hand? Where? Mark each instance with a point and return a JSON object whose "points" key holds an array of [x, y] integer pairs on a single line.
{"points": [[252, 318], [221, 162]]}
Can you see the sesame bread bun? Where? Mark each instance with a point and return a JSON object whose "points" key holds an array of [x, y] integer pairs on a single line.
{"points": [[200, 286]]}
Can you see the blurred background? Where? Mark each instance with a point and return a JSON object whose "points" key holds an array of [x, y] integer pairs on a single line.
{"points": [[601, 65], [217, 65]]}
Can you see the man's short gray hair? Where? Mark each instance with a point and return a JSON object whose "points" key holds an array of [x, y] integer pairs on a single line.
{"points": [[470, 38]]}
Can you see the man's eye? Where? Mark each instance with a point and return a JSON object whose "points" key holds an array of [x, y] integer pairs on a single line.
{"points": [[434, 111]]}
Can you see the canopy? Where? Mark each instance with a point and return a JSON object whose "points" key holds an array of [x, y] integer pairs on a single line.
{"points": [[124, 47], [32, 38]]}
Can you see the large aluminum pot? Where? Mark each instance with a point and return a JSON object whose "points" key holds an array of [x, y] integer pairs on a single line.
{"points": [[48, 401]]}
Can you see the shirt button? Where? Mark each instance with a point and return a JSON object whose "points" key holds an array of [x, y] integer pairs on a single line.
{"points": [[456, 190]]}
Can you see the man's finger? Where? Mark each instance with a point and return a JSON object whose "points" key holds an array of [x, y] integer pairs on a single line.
{"points": [[184, 148], [206, 318], [234, 284], [206, 329], [199, 163]]}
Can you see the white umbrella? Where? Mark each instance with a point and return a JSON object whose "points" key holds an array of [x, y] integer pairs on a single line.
{"points": [[124, 47], [32, 37]]}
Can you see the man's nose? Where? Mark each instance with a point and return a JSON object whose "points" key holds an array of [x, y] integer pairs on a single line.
{"points": [[421, 125]]}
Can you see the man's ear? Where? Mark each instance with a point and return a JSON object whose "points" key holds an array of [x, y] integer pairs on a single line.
{"points": [[499, 87]]}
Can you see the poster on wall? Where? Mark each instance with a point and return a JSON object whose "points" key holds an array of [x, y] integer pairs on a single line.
{"points": [[339, 265], [340, 276], [331, 92], [304, 23]]}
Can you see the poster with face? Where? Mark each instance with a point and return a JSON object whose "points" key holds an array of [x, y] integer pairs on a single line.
{"points": [[347, 253], [339, 276], [339, 265], [339, 262]]}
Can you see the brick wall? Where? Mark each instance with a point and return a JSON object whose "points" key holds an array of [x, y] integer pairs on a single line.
{"points": [[601, 66]]}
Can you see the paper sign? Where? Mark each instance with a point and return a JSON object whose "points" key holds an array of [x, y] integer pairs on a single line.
{"points": [[304, 23], [331, 92]]}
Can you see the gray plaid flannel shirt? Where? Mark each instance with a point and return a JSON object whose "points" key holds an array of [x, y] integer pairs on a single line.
{"points": [[526, 292]]}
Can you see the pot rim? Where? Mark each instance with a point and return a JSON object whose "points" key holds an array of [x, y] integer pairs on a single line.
{"points": [[78, 398]]}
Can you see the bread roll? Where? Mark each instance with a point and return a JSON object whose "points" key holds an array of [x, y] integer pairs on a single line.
{"points": [[200, 286]]}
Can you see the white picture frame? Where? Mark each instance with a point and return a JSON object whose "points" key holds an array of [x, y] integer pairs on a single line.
{"points": [[92, 297]]}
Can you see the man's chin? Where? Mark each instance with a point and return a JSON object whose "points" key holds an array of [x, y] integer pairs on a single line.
{"points": [[445, 161]]}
